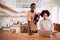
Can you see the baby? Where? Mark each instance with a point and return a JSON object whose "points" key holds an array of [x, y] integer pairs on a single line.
{"points": [[36, 18]]}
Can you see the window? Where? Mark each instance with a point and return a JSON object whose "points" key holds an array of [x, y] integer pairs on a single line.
{"points": [[25, 3]]}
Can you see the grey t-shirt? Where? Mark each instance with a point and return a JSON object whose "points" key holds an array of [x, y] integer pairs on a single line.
{"points": [[46, 25]]}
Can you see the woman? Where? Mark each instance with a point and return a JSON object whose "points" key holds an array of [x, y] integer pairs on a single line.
{"points": [[46, 25]]}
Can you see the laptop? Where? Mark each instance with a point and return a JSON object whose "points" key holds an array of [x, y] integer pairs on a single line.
{"points": [[44, 33]]}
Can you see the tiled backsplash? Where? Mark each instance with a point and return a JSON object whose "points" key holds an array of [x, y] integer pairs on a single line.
{"points": [[10, 21]]}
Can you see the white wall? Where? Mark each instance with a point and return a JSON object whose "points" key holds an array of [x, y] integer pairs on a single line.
{"points": [[52, 5], [58, 14]]}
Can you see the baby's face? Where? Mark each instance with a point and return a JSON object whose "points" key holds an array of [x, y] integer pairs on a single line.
{"points": [[38, 14]]}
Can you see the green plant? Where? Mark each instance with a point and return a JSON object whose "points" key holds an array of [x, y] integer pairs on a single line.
{"points": [[3, 27]]}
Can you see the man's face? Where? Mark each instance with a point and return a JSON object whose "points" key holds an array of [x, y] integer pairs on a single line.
{"points": [[33, 7]]}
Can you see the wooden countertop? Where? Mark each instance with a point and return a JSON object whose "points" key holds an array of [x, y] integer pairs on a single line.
{"points": [[7, 35]]}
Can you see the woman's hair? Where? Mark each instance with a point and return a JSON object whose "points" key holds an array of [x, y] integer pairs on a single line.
{"points": [[45, 12]]}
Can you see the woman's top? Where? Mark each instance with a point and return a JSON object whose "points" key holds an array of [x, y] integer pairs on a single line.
{"points": [[46, 25]]}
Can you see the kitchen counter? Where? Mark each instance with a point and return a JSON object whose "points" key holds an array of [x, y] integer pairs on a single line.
{"points": [[7, 35]]}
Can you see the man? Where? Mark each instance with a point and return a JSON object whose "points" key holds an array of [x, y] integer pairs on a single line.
{"points": [[30, 17]]}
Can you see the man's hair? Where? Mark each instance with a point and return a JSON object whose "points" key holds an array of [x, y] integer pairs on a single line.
{"points": [[33, 4]]}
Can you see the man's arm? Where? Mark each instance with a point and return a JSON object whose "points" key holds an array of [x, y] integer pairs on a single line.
{"points": [[29, 27], [29, 23]]}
